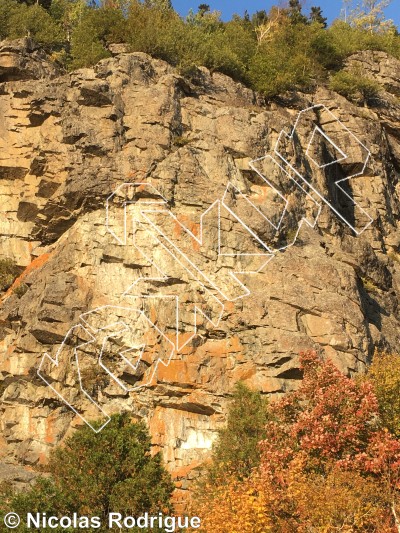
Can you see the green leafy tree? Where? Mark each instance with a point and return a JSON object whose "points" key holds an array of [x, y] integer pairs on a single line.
{"points": [[288, 60], [68, 14], [325, 54], [43, 3], [164, 5], [157, 32], [208, 20], [259, 17], [348, 40], [93, 474], [22, 20], [96, 29], [6, 9]]}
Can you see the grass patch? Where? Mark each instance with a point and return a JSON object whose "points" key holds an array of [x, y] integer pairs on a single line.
{"points": [[181, 141]]}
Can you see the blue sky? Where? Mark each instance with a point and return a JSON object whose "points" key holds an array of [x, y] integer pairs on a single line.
{"points": [[331, 8]]}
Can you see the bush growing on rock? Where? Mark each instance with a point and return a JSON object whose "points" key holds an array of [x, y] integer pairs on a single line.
{"points": [[21, 20], [8, 272], [348, 40], [355, 86]]}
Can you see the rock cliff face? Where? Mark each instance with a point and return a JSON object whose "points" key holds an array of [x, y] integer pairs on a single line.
{"points": [[68, 141]]}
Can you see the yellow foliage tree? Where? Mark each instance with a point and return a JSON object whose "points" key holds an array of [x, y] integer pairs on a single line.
{"points": [[384, 374], [327, 463]]}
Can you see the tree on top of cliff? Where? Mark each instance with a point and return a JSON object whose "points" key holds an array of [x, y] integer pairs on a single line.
{"points": [[271, 52], [204, 8], [295, 12], [158, 4], [368, 15], [316, 15]]}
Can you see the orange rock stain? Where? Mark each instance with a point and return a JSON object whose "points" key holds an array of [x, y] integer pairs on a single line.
{"points": [[37, 263]]}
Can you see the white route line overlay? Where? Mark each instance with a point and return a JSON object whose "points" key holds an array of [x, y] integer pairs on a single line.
{"points": [[290, 136], [90, 331], [201, 277]]}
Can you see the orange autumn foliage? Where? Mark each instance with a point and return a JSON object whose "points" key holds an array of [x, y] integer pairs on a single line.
{"points": [[327, 464]]}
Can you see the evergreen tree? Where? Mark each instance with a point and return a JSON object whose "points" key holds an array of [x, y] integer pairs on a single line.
{"points": [[236, 448], [259, 17], [94, 473], [295, 12], [203, 9], [317, 16]]}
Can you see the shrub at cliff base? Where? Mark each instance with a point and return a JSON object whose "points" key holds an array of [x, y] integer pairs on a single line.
{"points": [[328, 463], [93, 474]]}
